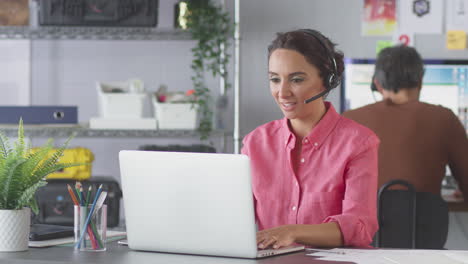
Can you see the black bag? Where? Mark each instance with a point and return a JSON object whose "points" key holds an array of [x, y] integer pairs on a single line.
{"points": [[56, 205]]}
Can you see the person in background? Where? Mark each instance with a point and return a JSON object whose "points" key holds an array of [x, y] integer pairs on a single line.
{"points": [[314, 172], [418, 139]]}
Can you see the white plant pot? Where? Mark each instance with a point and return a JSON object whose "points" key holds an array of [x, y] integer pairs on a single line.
{"points": [[14, 230]]}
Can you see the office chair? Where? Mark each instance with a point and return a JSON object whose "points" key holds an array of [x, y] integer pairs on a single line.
{"points": [[410, 219]]}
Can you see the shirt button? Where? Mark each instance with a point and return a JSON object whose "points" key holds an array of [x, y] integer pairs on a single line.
{"points": [[294, 208], [302, 160], [306, 140], [315, 144]]}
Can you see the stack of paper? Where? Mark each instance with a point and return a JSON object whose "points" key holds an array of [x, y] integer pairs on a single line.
{"points": [[390, 256]]}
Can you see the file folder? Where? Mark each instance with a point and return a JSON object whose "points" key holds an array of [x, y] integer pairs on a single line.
{"points": [[39, 114]]}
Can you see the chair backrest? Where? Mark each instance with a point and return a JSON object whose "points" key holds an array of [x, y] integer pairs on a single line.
{"points": [[410, 219]]}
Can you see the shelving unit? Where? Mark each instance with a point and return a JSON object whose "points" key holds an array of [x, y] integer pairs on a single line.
{"points": [[91, 33], [55, 131]]}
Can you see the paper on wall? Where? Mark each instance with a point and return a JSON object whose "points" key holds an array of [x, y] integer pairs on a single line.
{"points": [[421, 16], [378, 17], [456, 39], [456, 15]]}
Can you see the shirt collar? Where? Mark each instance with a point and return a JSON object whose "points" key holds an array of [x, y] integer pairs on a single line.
{"points": [[318, 134]]}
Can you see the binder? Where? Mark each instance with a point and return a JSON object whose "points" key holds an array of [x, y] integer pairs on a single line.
{"points": [[39, 114]]}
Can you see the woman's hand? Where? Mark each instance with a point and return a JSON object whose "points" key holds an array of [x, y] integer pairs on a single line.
{"points": [[277, 237], [320, 235]]}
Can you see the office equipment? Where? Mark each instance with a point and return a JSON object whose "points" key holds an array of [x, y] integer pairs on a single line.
{"points": [[39, 232], [99, 13], [193, 203], [91, 226], [73, 155], [445, 83], [56, 205], [39, 114], [410, 219]]}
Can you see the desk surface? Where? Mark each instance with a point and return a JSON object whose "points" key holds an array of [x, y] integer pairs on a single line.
{"points": [[455, 204], [117, 254]]}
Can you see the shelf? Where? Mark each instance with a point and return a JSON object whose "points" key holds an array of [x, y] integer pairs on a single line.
{"points": [[92, 33], [53, 131]]}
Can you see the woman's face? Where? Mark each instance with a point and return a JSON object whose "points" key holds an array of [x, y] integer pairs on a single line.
{"points": [[293, 80]]}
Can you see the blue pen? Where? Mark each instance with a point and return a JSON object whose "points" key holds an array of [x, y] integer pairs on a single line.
{"points": [[83, 231]]}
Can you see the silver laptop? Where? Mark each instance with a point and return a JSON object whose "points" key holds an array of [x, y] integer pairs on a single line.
{"points": [[192, 203]]}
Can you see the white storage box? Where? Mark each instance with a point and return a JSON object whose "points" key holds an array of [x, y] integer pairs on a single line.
{"points": [[127, 104], [175, 115]]}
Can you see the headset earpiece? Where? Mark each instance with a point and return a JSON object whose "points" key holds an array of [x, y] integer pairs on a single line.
{"points": [[373, 87], [331, 80]]}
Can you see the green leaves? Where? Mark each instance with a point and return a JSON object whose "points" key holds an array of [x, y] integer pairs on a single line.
{"points": [[212, 28], [23, 171]]}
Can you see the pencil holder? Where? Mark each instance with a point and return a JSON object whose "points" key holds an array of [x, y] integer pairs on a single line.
{"points": [[90, 226]]}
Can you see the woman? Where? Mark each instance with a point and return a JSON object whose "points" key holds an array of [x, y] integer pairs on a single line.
{"points": [[314, 173]]}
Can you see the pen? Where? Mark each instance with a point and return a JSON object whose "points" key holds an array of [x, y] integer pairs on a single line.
{"points": [[326, 251]]}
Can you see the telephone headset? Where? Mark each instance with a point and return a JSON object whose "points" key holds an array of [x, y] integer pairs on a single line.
{"points": [[373, 88], [372, 85], [331, 80]]}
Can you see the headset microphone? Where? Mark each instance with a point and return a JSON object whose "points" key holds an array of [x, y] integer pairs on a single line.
{"points": [[315, 97]]}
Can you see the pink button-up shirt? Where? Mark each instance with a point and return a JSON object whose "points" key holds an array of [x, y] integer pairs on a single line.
{"points": [[336, 180]]}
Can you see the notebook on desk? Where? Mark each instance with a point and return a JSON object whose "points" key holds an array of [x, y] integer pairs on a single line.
{"points": [[190, 203]]}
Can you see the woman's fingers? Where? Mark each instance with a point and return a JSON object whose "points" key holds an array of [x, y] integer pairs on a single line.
{"points": [[267, 242]]}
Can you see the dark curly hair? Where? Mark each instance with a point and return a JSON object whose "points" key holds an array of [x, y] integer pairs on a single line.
{"points": [[316, 52]]}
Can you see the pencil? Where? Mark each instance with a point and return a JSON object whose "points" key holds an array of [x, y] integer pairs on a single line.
{"points": [[70, 191], [77, 189], [82, 196], [88, 195]]}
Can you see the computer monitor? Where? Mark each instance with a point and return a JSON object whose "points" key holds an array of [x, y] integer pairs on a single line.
{"points": [[445, 83]]}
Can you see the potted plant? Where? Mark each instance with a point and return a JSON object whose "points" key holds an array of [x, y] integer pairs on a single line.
{"points": [[211, 27], [22, 172]]}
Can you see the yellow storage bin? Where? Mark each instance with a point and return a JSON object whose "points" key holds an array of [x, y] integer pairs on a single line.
{"points": [[74, 155]]}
